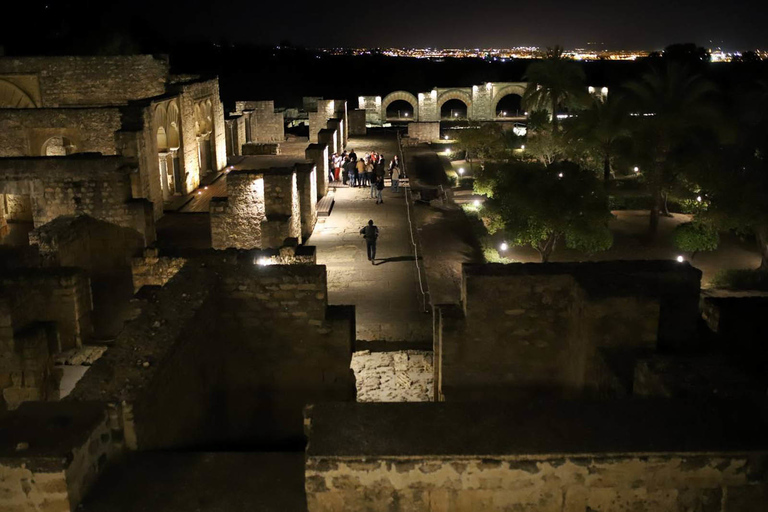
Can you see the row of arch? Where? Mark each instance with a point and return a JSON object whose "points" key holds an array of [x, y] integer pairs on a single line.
{"points": [[452, 103]]}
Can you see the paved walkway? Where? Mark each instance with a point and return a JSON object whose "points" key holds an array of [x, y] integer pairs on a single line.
{"points": [[386, 295]]}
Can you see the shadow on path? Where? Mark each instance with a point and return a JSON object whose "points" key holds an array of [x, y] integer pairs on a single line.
{"points": [[381, 261]]}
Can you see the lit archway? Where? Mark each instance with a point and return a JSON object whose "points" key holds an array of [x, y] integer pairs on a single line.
{"points": [[58, 146], [454, 109], [401, 96], [511, 105], [507, 104], [400, 110]]}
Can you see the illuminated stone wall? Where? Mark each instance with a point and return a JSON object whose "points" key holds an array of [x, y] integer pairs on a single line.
{"points": [[24, 132], [236, 220], [426, 132], [306, 181], [524, 329], [328, 137], [282, 207], [266, 124], [90, 81], [318, 153], [318, 120], [549, 457], [372, 107]]}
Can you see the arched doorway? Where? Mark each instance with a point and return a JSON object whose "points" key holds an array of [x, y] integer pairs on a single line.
{"points": [[399, 110], [58, 146], [510, 106], [454, 109]]}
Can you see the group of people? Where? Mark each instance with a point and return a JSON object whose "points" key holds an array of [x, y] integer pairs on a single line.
{"points": [[366, 171]]}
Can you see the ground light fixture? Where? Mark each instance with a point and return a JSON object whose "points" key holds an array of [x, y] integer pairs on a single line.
{"points": [[636, 169], [461, 170], [560, 175], [263, 261], [476, 202], [445, 137], [503, 246], [698, 198], [522, 147], [680, 259]]}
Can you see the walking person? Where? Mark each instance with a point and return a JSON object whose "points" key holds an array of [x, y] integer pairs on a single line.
{"points": [[370, 233], [379, 189], [395, 179]]}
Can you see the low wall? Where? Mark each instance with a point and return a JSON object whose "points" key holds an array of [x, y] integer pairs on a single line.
{"points": [[51, 454], [150, 269], [357, 122], [536, 457], [424, 132], [236, 220]]}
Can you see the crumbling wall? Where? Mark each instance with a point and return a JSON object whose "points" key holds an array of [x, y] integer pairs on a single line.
{"points": [[150, 269], [78, 185], [236, 221], [52, 453], [318, 119], [357, 122], [532, 328], [26, 362], [24, 132], [76, 81]]}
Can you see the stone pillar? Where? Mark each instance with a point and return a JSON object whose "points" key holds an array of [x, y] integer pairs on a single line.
{"points": [[236, 219], [318, 153], [340, 111], [428, 107], [282, 207], [307, 187], [372, 107], [338, 126], [328, 137], [482, 102]]}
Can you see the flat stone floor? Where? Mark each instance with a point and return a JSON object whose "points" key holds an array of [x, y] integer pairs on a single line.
{"points": [[388, 300]]}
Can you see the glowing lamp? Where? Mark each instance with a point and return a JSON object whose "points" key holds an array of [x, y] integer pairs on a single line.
{"points": [[698, 198], [680, 259], [560, 175], [636, 169], [503, 246], [461, 170], [476, 203], [522, 147]]}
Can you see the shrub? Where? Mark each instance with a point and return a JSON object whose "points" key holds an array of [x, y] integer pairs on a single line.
{"points": [[696, 236], [741, 279]]}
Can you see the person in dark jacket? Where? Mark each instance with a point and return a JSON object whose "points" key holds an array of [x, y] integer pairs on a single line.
{"points": [[370, 234]]}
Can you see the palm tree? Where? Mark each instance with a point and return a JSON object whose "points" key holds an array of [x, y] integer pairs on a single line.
{"points": [[674, 115], [555, 81], [597, 130]]}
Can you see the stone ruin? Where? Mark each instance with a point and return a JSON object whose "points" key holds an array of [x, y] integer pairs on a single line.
{"points": [[582, 386]]}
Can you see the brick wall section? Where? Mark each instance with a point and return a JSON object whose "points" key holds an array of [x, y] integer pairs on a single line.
{"points": [[24, 132], [236, 221], [318, 153], [69, 445], [426, 132], [528, 328], [306, 179], [526, 457], [266, 124], [85, 81], [281, 206], [357, 122], [78, 185]]}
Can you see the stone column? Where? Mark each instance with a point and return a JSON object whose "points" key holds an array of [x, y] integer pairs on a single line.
{"points": [[318, 153]]}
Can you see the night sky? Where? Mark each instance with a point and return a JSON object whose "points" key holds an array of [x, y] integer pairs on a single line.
{"points": [[648, 24]]}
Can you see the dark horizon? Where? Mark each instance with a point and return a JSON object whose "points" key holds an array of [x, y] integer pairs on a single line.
{"points": [[650, 25]]}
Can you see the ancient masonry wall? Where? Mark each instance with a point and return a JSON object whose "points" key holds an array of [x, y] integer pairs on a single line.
{"points": [[78, 185], [282, 207], [318, 153], [672, 483], [91, 81], [357, 122], [236, 221], [337, 126], [24, 132], [422, 131], [26, 365], [266, 124], [318, 120], [372, 107], [306, 176], [251, 385], [524, 329], [328, 137], [58, 463], [150, 269], [235, 131]]}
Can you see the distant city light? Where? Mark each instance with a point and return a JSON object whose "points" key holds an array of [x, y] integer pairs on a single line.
{"points": [[503, 246]]}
